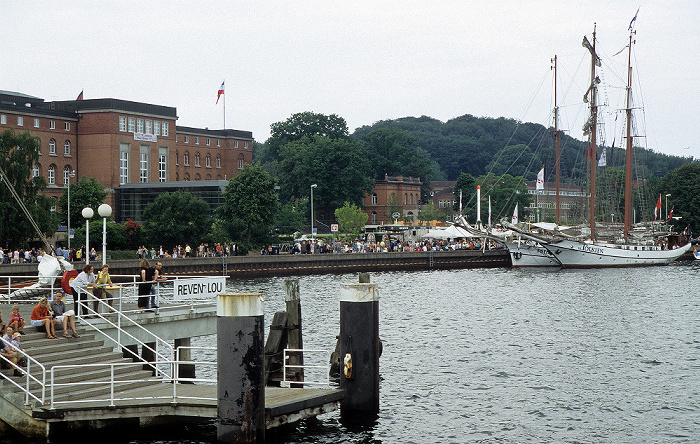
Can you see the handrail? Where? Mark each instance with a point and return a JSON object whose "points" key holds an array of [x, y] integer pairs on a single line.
{"points": [[29, 377], [285, 358]]}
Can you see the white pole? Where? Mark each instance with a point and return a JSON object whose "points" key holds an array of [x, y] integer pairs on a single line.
{"points": [[69, 214], [104, 240], [87, 241], [478, 206]]}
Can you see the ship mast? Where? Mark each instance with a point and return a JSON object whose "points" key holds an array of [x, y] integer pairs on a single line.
{"points": [[591, 154], [628, 154], [556, 141]]}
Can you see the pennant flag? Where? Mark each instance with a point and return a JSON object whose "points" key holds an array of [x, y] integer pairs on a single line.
{"points": [[514, 219], [686, 230], [220, 93], [80, 96], [603, 160], [670, 214], [657, 209], [540, 180], [633, 20]]}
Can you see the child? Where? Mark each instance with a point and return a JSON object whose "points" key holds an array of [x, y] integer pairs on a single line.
{"points": [[16, 320]]}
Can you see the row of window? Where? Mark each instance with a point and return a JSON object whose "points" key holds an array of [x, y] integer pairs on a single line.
{"points": [[408, 198], [146, 126], [51, 176], [20, 122], [52, 147], [208, 142], [186, 160]]}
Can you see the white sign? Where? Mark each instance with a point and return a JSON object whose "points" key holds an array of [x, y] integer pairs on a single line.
{"points": [[334, 227], [199, 288], [145, 137]]}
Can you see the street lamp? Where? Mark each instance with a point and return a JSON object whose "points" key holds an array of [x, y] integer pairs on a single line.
{"points": [[87, 214], [667, 196], [312, 209], [70, 174], [105, 211]]}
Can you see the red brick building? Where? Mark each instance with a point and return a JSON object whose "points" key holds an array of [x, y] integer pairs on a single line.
{"points": [[400, 194], [120, 142]]}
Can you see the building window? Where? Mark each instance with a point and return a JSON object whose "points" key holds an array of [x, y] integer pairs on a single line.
{"points": [[208, 161], [124, 149], [245, 145], [143, 164], [374, 218], [218, 142], [36, 123], [122, 123], [52, 147], [374, 199], [20, 121], [149, 127], [218, 161], [36, 170], [67, 126], [52, 124], [196, 160], [186, 159], [405, 199], [240, 162], [162, 164], [186, 177], [235, 144], [165, 129], [208, 141], [197, 177], [156, 128], [187, 139], [66, 148], [52, 174], [132, 124], [66, 175], [3, 119], [196, 140], [177, 158], [139, 125]]}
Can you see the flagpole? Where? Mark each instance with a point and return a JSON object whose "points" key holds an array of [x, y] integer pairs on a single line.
{"points": [[224, 103]]}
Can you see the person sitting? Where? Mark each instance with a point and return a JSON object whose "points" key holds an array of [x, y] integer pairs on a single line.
{"points": [[16, 320], [65, 317], [8, 352], [42, 318]]}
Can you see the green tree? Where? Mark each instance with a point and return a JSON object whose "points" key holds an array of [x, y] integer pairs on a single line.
{"points": [[429, 212], [351, 218], [506, 191], [87, 192], [466, 184], [292, 216], [18, 154], [393, 206], [684, 187], [176, 218], [300, 125], [250, 197]]}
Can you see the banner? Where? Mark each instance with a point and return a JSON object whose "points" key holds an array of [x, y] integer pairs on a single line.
{"points": [[198, 288]]}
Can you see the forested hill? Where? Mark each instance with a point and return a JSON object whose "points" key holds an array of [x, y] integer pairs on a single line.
{"points": [[477, 145]]}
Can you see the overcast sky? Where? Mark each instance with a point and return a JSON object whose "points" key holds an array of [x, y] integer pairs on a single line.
{"points": [[363, 60]]}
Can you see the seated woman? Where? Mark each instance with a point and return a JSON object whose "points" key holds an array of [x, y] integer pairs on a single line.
{"points": [[65, 317], [42, 318], [16, 320], [10, 355]]}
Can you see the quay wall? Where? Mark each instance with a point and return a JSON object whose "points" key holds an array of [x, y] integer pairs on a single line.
{"points": [[301, 264]]}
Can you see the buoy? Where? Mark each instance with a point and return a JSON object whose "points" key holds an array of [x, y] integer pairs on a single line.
{"points": [[65, 280]]}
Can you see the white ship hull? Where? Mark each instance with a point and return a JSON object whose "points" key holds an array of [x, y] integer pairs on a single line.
{"points": [[530, 254], [573, 254]]}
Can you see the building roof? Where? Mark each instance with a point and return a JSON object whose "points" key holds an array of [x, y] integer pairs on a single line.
{"points": [[114, 105], [222, 133]]}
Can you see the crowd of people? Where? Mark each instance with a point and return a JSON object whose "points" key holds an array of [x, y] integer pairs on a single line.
{"points": [[319, 246], [204, 250], [34, 255]]}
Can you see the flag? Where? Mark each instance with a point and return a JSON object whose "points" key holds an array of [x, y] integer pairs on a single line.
{"points": [[489, 211], [220, 93], [514, 219], [686, 230], [633, 20], [670, 214], [540, 180], [80, 96], [657, 210], [586, 44], [603, 160]]}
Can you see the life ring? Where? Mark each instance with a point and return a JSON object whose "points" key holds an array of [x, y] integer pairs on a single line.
{"points": [[65, 280], [517, 255]]}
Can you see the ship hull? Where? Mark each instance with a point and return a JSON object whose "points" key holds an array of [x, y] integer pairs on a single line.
{"points": [[573, 254]]}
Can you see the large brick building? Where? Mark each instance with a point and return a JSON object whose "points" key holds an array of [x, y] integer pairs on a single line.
{"points": [[120, 142], [400, 194]]}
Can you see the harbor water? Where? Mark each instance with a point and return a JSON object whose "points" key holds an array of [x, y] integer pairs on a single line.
{"points": [[511, 356]]}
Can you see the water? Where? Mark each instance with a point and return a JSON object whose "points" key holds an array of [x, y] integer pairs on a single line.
{"points": [[516, 356]]}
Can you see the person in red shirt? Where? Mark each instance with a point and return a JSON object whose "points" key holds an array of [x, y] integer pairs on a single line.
{"points": [[42, 318]]}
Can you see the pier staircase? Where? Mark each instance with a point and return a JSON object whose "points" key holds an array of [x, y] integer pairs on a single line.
{"points": [[23, 413]]}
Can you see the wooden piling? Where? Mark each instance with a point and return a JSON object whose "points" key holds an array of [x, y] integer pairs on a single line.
{"points": [[294, 336], [240, 375], [359, 350]]}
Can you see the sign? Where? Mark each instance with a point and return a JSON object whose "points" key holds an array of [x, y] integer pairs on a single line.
{"points": [[396, 215], [198, 288], [71, 234], [314, 231], [334, 227], [145, 137]]}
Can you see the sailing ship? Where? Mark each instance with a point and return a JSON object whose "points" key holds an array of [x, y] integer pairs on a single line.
{"points": [[654, 248]]}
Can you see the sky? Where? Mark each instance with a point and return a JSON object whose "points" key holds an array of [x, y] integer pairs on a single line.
{"points": [[365, 61]]}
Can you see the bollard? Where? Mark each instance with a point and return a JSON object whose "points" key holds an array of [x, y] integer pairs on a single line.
{"points": [[294, 337], [240, 368], [359, 350]]}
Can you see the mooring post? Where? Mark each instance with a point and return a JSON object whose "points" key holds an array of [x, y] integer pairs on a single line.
{"points": [[359, 350], [240, 374], [294, 337]]}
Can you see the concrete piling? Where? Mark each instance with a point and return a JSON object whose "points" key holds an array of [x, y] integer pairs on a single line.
{"points": [[240, 374], [359, 350]]}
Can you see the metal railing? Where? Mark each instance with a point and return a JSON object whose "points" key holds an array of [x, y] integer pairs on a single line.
{"points": [[315, 368]]}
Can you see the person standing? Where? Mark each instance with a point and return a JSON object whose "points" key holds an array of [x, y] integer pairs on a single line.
{"points": [[101, 283], [65, 317], [158, 277], [147, 275], [84, 280]]}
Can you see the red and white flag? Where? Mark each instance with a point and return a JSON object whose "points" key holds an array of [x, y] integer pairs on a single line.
{"points": [[220, 93], [657, 210], [670, 215], [539, 185]]}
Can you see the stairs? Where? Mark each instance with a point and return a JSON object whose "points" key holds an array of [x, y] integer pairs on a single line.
{"points": [[66, 351]]}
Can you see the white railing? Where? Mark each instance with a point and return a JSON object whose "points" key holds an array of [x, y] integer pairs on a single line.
{"points": [[314, 368], [29, 378]]}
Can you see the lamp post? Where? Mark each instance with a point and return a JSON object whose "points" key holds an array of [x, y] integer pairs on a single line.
{"points": [[87, 214], [70, 174], [667, 196], [105, 211], [312, 209]]}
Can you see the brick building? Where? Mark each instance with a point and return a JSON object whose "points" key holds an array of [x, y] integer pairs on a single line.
{"points": [[120, 142], [401, 194]]}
